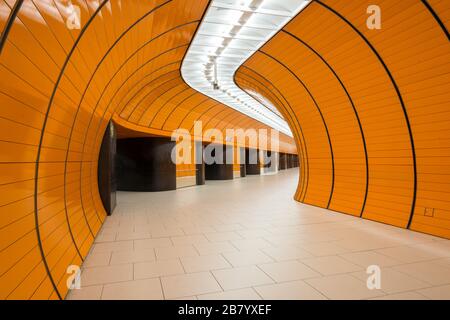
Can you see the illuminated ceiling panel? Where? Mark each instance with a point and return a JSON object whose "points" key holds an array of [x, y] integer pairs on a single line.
{"points": [[231, 31]]}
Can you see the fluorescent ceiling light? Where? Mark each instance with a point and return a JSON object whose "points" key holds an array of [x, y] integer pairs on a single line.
{"points": [[231, 31]]}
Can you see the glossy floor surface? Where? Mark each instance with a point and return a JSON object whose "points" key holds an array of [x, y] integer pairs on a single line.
{"points": [[248, 239]]}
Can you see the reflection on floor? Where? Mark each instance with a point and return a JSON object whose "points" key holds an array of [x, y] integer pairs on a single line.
{"points": [[248, 239]]}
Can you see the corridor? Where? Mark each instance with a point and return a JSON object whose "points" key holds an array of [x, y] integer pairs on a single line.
{"points": [[249, 239]]}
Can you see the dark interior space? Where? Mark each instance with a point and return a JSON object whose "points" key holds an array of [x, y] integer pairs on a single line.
{"points": [[220, 171], [252, 161], [282, 161], [200, 164], [107, 183], [145, 164]]}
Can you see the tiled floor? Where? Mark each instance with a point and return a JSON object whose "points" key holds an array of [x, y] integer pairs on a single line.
{"points": [[248, 239]]}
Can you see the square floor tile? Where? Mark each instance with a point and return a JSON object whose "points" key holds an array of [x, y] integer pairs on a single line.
{"points": [[251, 244], [242, 277], [286, 253], [191, 239], [367, 258], [148, 289], [145, 270], [410, 295], [152, 243], [408, 254], [215, 247], [175, 252], [288, 271], [106, 274], [245, 258], [204, 263], [323, 249], [331, 265], [189, 284], [240, 294], [393, 281], [97, 259], [295, 290], [112, 246], [132, 256], [437, 293], [85, 293], [222, 236], [343, 287], [429, 271]]}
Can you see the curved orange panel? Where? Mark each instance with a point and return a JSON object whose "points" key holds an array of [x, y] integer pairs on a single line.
{"points": [[60, 87], [381, 95]]}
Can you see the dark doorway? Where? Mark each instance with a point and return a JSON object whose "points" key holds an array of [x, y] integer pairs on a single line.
{"points": [[221, 170], [200, 164], [107, 183], [252, 161], [242, 162], [145, 164]]}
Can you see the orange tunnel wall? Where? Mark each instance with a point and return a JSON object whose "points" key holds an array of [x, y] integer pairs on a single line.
{"points": [[59, 89], [369, 108]]}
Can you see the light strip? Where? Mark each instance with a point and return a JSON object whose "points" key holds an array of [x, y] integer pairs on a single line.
{"points": [[231, 31]]}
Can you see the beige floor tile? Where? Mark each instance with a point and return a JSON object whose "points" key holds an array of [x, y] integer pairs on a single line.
{"points": [[253, 233], [393, 281], [240, 294], [251, 244], [343, 287], [201, 221], [132, 235], [245, 258], [408, 254], [106, 237], [132, 256], [437, 293], [85, 293], [152, 243], [215, 247], [228, 227], [428, 271], [192, 239], [148, 289], [411, 295], [204, 263], [167, 233], [189, 284], [331, 265], [185, 298], [198, 230], [97, 259], [145, 270], [322, 249], [112, 246], [175, 252], [288, 271], [242, 277], [222, 236], [367, 258], [285, 240], [295, 290], [107, 274]]}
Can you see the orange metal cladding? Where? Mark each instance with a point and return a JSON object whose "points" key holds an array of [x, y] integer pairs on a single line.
{"points": [[59, 89], [369, 108]]}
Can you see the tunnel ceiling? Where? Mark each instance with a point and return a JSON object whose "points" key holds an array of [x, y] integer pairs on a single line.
{"points": [[230, 32]]}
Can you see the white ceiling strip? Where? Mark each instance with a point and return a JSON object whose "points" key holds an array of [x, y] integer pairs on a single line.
{"points": [[231, 31]]}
